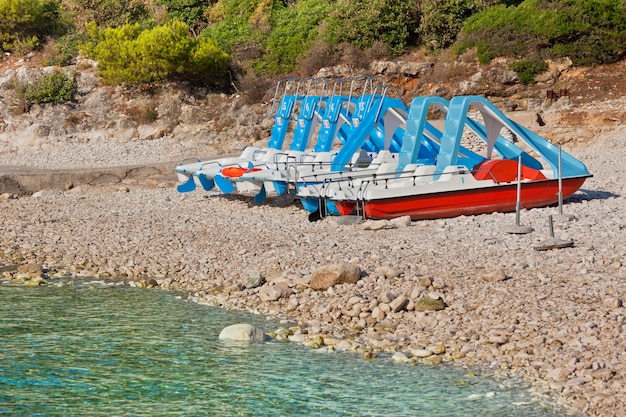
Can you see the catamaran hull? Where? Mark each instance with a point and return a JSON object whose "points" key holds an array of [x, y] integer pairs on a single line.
{"points": [[499, 198]]}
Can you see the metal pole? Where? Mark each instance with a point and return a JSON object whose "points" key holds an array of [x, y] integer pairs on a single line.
{"points": [[560, 183], [518, 200], [551, 225]]}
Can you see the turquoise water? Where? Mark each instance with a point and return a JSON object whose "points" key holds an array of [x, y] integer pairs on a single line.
{"points": [[113, 351]]}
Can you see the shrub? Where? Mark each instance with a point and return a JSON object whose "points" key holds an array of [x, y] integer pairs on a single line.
{"points": [[442, 21], [364, 22], [293, 30], [527, 69], [255, 88], [319, 55], [190, 12], [272, 36], [132, 55], [587, 31], [63, 51], [238, 23], [23, 23], [107, 13], [57, 87]]}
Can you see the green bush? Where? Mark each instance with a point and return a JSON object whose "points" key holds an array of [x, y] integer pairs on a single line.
{"points": [[365, 22], [63, 51], [107, 13], [57, 87], [271, 36], [587, 31], [130, 54], [238, 24], [24, 23], [442, 21], [527, 69], [190, 12], [293, 30], [267, 36]]}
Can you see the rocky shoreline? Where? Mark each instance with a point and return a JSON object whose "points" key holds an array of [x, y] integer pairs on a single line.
{"points": [[554, 317]]}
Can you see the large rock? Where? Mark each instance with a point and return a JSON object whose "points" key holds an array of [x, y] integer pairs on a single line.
{"points": [[275, 292], [32, 270], [398, 304], [243, 332], [330, 275], [254, 279]]}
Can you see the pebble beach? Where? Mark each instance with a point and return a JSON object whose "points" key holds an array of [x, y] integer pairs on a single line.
{"points": [[554, 317]]}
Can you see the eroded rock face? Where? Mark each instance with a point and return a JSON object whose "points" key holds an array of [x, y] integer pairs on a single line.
{"points": [[243, 332], [330, 275]]}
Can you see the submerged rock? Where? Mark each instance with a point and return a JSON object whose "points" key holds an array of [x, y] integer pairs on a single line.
{"points": [[243, 332]]}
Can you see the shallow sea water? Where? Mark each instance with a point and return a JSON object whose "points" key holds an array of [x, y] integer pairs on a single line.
{"points": [[93, 350]]}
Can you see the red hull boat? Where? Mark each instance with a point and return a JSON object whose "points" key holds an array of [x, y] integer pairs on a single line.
{"points": [[496, 198]]}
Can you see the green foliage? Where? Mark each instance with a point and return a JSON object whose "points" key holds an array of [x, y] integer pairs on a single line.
{"points": [[272, 35], [56, 87], [527, 69], [442, 21], [24, 23], [190, 12], [293, 31], [266, 35], [587, 31], [239, 24], [107, 13], [64, 50], [133, 55], [364, 22]]}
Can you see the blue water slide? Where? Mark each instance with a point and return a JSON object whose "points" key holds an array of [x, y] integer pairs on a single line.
{"points": [[305, 122], [421, 141], [506, 149], [416, 123], [392, 127], [281, 121], [351, 113], [366, 131], [387, 133], [457, 119], [494, 121], [330, 122]]}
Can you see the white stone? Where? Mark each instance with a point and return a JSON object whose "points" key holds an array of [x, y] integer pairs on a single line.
{"points": [[243, 332], [421, 353], [400, 357]]}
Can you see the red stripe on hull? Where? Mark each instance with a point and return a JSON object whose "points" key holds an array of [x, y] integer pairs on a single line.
{"points": [[500, 198]]}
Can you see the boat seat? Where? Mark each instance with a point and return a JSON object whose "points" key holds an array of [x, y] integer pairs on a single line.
{"points": [[270, 154], [324, 157], [408, 171], [387, 168], [250, 151], [383, 156], [424, 173], [450, 171]]}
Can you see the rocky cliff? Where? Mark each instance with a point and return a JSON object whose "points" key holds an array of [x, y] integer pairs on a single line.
{"points": [[176, 121]]}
